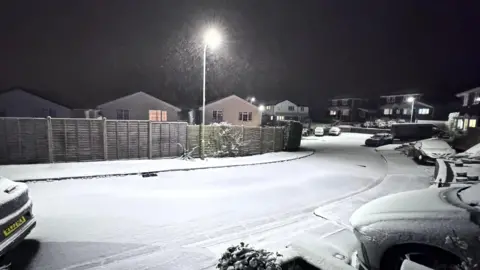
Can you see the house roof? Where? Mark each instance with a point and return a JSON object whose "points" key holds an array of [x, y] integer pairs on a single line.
{"points": [[34, 93], [473, 90], [402, 93], [367, 110], [337, 108], [229, 97], [144, 94]]}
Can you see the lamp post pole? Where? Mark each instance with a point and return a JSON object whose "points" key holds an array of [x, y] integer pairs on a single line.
{"points": [[411, 114], [202, 143]]}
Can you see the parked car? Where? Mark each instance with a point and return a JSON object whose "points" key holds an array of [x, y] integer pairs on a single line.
{"points": [[334, 131], [16, 218], [434, 227], [427, 151], [306, 132], [379, 139], [319, 131]]}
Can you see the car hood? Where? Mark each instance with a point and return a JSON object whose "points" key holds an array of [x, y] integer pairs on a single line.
{"points": [[417, 204], [438, 152]]}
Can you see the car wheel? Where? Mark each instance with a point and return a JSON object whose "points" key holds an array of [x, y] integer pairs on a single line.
{"points": [[431, 257]]}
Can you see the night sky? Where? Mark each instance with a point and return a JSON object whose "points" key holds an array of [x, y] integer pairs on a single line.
{"points": [[82, 53]]}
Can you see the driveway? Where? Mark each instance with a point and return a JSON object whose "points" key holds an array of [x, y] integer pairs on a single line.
{"points": [[183, 220]]}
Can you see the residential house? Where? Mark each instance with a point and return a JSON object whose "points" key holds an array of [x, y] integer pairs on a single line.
{"points": [[139, 106], [23, 103], [233, 110], [285, 110], [397, 106], [470, 111], [349, 109]]}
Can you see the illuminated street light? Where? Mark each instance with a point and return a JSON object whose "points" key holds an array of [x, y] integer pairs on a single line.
{"points": [[212, 39], [261, 108], [411, 100], [252, 99]]}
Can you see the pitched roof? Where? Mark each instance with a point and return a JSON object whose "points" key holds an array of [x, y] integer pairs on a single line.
{"points": [[229, 97], [473, 90], [34, 93], [402, 93], [144, 94]]}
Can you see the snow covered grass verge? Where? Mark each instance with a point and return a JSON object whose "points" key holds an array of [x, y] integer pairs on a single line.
{"points": [[59, 171]]}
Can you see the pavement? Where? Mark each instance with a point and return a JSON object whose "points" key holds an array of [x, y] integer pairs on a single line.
{"points": [[80, 170], [185, 219]]}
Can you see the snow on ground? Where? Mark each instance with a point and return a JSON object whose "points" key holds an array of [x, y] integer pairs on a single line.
{"points": [[388, 147], [119, 167]]}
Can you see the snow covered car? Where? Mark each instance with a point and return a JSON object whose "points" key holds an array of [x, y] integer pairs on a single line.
{"points": [[16, 218], [334, 131], [319, 131], [379, 139], [305, 132], [427, 151], [433, 227]]}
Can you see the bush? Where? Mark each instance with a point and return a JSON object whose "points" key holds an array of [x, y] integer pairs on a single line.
{"points": [[247, 258], [292, 135]]}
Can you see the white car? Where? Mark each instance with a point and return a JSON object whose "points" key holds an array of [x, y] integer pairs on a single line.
{"points": [[16, 218], [435, 227], [427, 151], [319, 131], [334, 131]]}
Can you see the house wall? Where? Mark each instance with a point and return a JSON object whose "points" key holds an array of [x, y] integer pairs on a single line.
{"points": [[138, 106], [231, 107], [18, 103]]}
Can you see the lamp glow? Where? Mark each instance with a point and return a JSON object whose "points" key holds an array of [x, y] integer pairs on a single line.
{"points": [[212, 38]]}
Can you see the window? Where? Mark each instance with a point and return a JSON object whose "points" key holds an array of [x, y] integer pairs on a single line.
{"points": [[334, 102], [280, 117], [424, 111], [291, 108], [123, 114], [398, 111], [390, 100], [387, 111], [217, 116], [268, 107], [459, 123], [302, 109], [345, 112], [271, 117], [476, 99], [245, 116], [406, 111], [344, 102], [155, 115], [465, 100], [333, 112], [49, 112], [472, 123]]}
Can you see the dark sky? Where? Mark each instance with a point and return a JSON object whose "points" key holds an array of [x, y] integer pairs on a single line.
{"points": [[83, 53]]}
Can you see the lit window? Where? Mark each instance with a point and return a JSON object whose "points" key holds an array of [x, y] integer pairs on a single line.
{"points": [[157, 115], [406, 111], [476, 99], [271, 117], [268, 107], [333, 112], [460, 123], [398, 111], [387, 111], [345, 112], [472, 123], [280, 117], [424, 111]]}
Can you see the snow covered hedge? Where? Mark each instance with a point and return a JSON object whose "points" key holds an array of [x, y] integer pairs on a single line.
{"points": [[228, 140], [243, 257]]}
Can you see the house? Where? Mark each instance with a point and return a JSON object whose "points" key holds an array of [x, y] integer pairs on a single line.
{"points": [[285, 110], [86, 113], [233, 110], [139, 106], [23, 103], [398, 106], [349, 109], [470, 110]]}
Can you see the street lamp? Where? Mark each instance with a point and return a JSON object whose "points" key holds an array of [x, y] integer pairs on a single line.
{"points": [[411, 100], [261, 108], [252, 100], [212, 39]]}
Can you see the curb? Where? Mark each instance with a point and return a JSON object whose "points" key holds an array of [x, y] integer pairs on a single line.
{"points": [[310, 153]]}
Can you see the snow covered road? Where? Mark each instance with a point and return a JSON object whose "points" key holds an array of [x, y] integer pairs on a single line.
{"points": [[182, 220]]}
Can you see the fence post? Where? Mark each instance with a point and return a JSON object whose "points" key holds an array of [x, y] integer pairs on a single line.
{"points": [[261, 140], [105, 139], [274, 131], [169, 140], [50, 139], [78, 140], [150, 139], [128, 139], [243, 140], [138, 137], [65, 135]]}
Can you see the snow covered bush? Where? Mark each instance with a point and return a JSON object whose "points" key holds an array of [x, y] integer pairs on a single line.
{"points": [[227, 140], [247, 258]]}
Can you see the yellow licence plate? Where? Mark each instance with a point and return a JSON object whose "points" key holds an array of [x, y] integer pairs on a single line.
{"points": [[17, 224]]}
